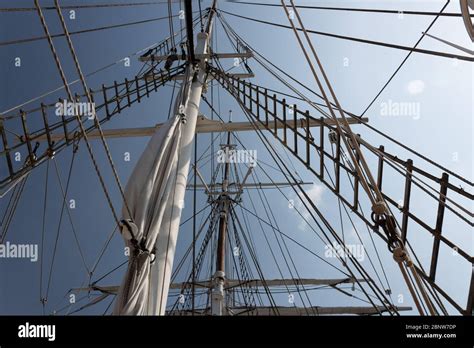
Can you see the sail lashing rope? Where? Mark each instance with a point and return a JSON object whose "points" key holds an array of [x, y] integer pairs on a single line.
{"points": [[379, 206]]}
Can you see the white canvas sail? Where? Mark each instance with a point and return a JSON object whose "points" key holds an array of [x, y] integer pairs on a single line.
{"points": [[148, 195]]}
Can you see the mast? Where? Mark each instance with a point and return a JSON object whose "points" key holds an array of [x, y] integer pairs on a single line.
{"points": [[218, 295], [166, 243]]}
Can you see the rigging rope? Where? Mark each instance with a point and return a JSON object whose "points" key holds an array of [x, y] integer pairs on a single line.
{"points": [[408, 244], [404, 60], [268, 243], [347, 9], [11, 207], [355, 39], [278, 242], [365, 123], [58, 232], [248, 293], [292, 239], [90, 99], [202, 224], [64, 198], [200, 15], [74, 7], [353, 224], [362, 271], [267, 208], [364, 274], [78, 117], [352, 145], [43, 230], [286, 197], [365, 176], [213, 219], [72, 33], [158, 44], [170, 16], [259, 270]]}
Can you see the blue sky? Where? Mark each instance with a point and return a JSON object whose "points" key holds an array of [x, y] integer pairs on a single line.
{"points": [[442, 130]]}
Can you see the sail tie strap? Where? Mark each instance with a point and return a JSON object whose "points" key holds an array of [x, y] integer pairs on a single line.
{"points": [[130, 231]]}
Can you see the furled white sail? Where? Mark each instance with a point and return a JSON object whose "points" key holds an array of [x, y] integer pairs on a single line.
{"points": [[148, 194]]}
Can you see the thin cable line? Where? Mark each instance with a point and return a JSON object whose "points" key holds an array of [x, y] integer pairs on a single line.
{"points": [[355, 39], [347, 9], [404, 60], [90, 99], [72, 33], [74, 7], [78, 117]]}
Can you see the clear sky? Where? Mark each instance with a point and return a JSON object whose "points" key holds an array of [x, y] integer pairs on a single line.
{"points": [[441, 89]]}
